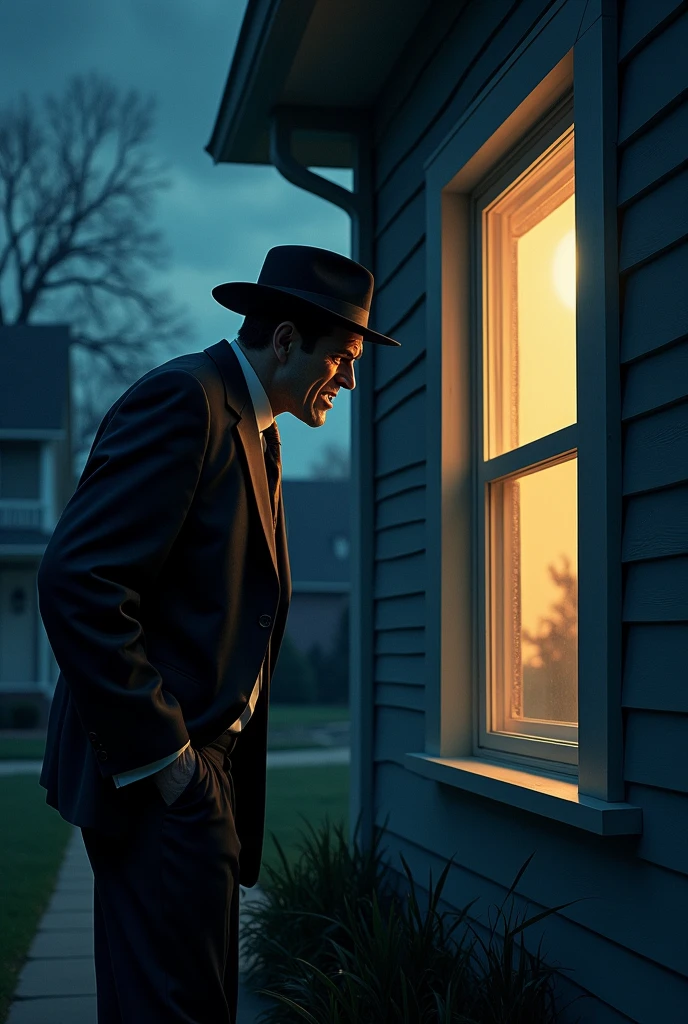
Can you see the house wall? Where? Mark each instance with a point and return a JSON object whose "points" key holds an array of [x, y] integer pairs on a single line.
{"points": [[625, 942]]}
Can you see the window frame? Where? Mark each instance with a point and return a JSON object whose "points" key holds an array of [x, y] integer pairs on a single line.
{"points": [[534, 78], [555, 751]]}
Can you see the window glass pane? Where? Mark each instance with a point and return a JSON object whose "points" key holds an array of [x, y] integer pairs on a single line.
{"points": [[530, 293], [534, 605], [19, 469], [547, 325]]}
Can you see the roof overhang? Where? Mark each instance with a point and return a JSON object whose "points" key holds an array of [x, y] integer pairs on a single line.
{"points": [[316, 57]]}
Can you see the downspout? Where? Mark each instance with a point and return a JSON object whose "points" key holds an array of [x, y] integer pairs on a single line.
{"points": [[358, 204]]}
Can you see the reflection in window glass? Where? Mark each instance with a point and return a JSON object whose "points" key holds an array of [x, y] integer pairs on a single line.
{"points": [[530, 271], [534, 613]]}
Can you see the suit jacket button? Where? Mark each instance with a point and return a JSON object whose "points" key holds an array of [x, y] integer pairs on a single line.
{"points": [[102, 755], [265, 621]]}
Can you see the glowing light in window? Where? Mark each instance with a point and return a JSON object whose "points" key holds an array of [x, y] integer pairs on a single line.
{"points": [[564, 270]]}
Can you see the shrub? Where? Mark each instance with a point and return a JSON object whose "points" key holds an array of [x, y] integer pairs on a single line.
{"points": [[294, 680], [332, 668], [307, 902], [378, 959], [19, 714], [25, 715]]}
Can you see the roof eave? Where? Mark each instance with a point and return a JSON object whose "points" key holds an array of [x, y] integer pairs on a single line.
{"points": [[268, 40]]}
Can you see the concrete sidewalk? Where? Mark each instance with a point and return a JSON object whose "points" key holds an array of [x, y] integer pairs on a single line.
{"points": [[57, 984]]}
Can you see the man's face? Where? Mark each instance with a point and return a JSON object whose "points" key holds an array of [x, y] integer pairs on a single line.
{"points": [[310, 381]]}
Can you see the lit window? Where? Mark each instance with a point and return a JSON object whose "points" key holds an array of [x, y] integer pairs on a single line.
{"points": [[528, 470]]}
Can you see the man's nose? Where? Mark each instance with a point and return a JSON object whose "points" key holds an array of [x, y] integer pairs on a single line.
{"points": [[347, 378]]}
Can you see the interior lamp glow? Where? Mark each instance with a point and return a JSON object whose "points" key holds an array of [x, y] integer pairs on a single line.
{"points": [[564, 269]]}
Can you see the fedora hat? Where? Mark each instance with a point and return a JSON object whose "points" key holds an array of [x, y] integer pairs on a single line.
{"points": [[303, 279]]}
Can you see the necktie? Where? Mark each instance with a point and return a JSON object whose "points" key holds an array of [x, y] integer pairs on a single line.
{"points": [[273, 465]]}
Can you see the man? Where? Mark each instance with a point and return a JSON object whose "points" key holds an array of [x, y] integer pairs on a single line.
{"points": [[164, 591]]}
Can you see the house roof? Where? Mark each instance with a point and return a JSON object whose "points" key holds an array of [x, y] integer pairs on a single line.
{"points": [[34, 377], [317, 514], [320, 54]]}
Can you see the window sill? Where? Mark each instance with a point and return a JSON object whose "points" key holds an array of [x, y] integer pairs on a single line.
{"points": [[550, 796]]}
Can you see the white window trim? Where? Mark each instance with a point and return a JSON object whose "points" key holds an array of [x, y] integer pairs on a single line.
{"points": [[539, 753], [538, 75]]}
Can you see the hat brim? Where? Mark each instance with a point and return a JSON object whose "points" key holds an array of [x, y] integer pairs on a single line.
{"points": [[252, 299]]}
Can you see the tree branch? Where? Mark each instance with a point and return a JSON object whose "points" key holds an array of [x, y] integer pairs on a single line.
{"points": [[77, 191]]}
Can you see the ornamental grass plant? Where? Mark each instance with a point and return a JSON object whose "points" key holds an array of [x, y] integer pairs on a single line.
{"points": [[332, 947], [305, 902]]}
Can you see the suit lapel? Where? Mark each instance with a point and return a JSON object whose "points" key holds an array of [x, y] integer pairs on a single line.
{"points": [[238, 399]]}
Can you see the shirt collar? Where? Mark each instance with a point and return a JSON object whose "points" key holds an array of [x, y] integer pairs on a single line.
{"points": [[261, 402]]}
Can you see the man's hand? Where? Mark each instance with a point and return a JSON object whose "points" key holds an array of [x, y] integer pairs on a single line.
{"points": [[173, 779]]}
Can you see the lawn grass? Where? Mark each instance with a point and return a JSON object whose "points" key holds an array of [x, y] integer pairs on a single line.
{"points": [[313, 715], [19, 748], [34, 838], [313, 792]]}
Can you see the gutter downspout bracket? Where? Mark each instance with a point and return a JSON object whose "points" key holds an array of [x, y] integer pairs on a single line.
{"points": [[357, 203]]}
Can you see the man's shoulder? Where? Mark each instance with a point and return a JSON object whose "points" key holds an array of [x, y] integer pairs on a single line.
{"points": [[194, 364]]}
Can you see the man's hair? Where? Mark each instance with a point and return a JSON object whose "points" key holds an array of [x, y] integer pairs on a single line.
{"points": [[255, 332]]}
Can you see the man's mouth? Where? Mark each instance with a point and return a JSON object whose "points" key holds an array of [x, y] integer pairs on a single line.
{"points": [[328, 397]]}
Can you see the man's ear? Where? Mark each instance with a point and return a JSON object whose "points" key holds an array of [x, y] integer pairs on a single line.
{"points": [[283, 338]]}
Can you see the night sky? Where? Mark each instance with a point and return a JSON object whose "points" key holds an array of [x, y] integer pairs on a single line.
{"points": [[219, 220]]}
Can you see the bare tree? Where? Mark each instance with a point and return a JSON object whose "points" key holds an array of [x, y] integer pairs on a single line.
{"points": [[77, 185], [333, 463]]}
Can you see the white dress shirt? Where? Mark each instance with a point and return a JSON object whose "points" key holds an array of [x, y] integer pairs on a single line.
{"points": [[264, 417]]}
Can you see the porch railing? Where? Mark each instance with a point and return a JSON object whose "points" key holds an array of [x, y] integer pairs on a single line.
{"points": [[15, 512]]}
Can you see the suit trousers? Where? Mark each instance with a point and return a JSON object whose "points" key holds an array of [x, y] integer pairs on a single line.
{"points": [[166, 902]]}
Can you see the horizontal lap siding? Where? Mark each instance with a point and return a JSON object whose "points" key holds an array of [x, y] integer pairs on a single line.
{"points": [[657, 381], [626, 946], [653, 208], [627, 987], [653, 261], [655, 676], [664, 840], [649, 325], [400, 436], [454, 52], [656, 744], [467, 48], [624, 938]]}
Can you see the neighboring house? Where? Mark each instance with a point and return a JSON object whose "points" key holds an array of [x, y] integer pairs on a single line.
{"points": [[35, 484], [317, 513], [487, 487]]}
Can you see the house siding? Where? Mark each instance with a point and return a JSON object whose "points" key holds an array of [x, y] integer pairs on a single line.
{"points": [[625, 942]]}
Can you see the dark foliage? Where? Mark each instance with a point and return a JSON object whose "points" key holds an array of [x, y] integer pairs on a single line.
{"points": [[294, 681], [332, 667], [337, 943]]}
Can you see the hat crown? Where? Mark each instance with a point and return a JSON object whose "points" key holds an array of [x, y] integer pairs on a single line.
{"points": [[305, 268]]}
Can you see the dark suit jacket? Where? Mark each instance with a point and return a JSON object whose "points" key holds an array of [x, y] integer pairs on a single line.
{"points": [[163, 588]]}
